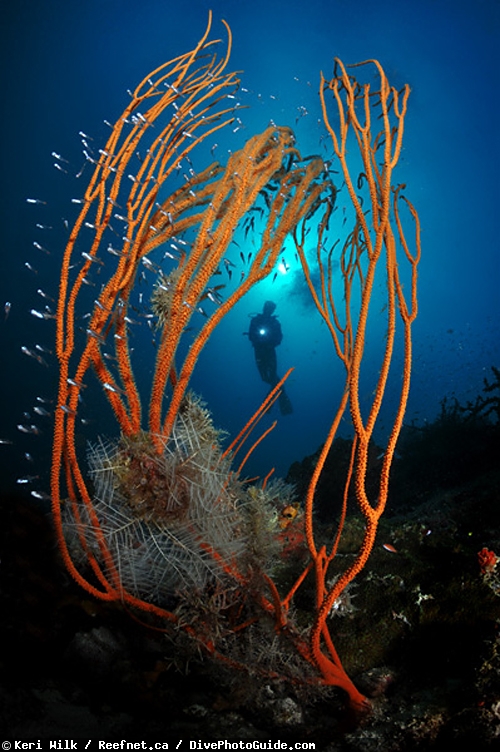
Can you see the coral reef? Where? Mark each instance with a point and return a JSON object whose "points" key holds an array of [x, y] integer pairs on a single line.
{"points": [[422, 640], [190, 535]]}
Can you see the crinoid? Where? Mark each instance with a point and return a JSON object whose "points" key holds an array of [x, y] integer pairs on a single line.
{"points": [[162, 297], [172, 522]]}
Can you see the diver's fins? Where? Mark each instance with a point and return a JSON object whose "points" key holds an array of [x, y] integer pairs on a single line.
{"points": [[285, 404]]}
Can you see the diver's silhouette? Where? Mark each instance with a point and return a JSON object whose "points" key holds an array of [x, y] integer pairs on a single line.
{"points": [[265, 335]]}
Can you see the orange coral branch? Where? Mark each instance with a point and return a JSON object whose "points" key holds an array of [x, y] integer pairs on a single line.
{"points": [[364, 248], [193, 90]]}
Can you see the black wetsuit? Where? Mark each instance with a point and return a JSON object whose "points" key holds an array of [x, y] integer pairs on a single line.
{"points": [[265, 335]]}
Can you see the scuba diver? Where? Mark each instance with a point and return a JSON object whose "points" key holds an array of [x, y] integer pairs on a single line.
{"points": [[265, 335]]}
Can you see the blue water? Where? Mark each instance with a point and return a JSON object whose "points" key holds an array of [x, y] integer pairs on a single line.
{"points": [[66, 67]]}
